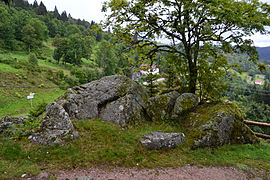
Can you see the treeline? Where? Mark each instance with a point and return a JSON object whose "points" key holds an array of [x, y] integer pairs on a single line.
{"points": [[41, 9], [25, 26]]}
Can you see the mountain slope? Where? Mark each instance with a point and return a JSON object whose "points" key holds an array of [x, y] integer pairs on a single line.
{"points": [[264, 53]]}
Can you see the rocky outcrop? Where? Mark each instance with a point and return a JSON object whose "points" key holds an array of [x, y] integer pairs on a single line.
{"points": [[116, 99], [120, 100], [7, 121], [216, 125], [184, 104], [161, 107], [160, 140], [56, 126]]}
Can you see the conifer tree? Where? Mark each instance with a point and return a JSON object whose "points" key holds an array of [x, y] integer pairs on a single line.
{"points": [[7, 1], [64, 16], [42, 10], [56, 13], [35, 4]]}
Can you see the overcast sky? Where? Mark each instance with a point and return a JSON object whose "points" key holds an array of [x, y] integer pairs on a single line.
{"points": [[83, 9], [91, 10]]}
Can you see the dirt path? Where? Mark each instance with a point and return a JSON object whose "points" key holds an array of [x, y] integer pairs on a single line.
{"points": [[180, 173]]}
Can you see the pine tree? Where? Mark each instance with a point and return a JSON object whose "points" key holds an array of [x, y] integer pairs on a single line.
{"points": [[7, 1], [20, 3], [35, 4], [93, 23], [69, 16], [42, 10], [56, 13], [64, 16]]}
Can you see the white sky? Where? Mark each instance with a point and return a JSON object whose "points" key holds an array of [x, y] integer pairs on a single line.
{"points": [[91, 10], [83, 9]]}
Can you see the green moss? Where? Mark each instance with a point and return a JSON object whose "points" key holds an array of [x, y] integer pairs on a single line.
{"points": [[187, 103], [157, 106]]}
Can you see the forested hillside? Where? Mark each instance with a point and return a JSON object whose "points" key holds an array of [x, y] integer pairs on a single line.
{"points": [[40, 49]]}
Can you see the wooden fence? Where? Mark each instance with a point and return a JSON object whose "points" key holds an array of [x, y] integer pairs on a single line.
{"points": [[265, 136]]}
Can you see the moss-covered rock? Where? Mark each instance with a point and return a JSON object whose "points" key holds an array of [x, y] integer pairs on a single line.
{"points": [[212, 125], [184, 104], [161, 107]]}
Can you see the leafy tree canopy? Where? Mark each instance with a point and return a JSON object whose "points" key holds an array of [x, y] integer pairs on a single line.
{"points": [[198, 30]]}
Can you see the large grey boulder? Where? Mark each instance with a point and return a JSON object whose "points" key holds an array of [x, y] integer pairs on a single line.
{"points": [[116, 99], [160, 107], [7, 121], [184, 104], [56, 126], [218, 124], [160, 140]]}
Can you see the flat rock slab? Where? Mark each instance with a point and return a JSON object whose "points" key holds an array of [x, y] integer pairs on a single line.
{"points": [[160, 140]]}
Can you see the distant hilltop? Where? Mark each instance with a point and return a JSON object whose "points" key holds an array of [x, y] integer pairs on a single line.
{"points": [[264, 52]]}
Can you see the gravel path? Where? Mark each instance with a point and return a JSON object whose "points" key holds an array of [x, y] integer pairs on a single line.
{"points": [[179, 173]]}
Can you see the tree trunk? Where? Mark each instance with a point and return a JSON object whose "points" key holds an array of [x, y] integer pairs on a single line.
{"points": [[193, 74]]}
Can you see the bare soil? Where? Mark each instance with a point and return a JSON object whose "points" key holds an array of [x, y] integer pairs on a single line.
{"points": [[180, 173]]}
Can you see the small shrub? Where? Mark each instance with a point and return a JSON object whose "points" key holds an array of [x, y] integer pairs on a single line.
{"points": [[33, 59], [32, 81], [41, 85], [17, 94], [18, 131], [38, 110], [72, 80]]}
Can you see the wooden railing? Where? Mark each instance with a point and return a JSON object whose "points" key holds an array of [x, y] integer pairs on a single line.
{"points": [[265, 136]]}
